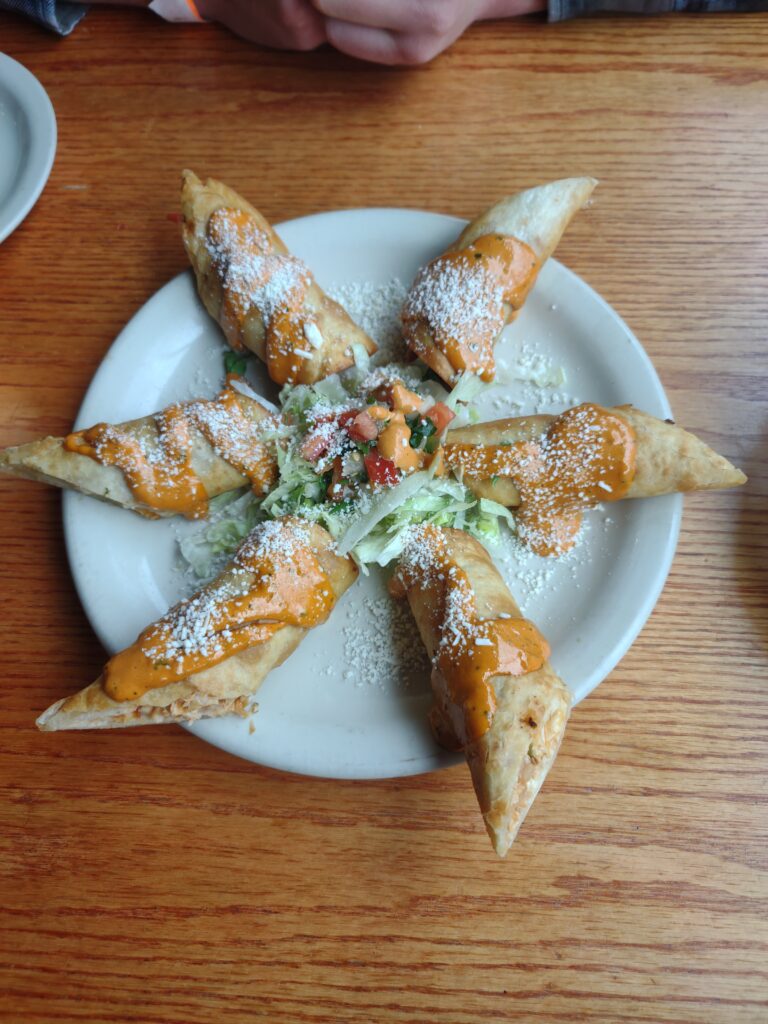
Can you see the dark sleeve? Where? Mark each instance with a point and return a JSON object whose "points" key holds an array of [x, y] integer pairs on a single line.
{"points": [[58, 15], [559, 10]]}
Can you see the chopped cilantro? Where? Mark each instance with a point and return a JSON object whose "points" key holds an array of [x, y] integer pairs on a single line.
{"points": [[235, 362], [420, 431]]}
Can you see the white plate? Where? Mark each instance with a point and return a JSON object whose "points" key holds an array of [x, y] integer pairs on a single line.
{"points": [[27, 142], [312, 719]]}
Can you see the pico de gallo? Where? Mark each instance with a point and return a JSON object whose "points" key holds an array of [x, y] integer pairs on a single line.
{"points": [[394, 432], [360, 453]]}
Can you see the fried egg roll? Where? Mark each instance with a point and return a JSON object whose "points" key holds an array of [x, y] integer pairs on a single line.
{"points": [[459, 303], [552, 467], [264, 299], [496, 697], [210, 653], [166, 464]]}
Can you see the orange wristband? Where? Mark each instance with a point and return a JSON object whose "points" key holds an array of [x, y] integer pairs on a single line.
{"points": [[177, 10]]}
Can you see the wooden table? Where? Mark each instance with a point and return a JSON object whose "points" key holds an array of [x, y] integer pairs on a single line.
{"points": [[147, 877]]}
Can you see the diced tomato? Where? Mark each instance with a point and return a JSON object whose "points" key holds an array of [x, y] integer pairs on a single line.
{"points": [[362, 427], [333, 417], [346, 417], [314, 446], [317, 443], [383, 394], [440, 415], [319, 420], [381, 470], [335, 487]]}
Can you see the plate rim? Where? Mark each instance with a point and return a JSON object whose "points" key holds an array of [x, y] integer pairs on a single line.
{"points": [[38, 110], [603, 667]]}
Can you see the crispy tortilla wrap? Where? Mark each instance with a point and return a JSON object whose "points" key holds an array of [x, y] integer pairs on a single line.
{"points": [[668, 458], [50, 461], [245, 275], [510, 759], [450, 301], [227, 685]]}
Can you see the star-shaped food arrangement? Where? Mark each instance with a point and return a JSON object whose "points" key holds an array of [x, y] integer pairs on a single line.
{"points": [[367, 461]]}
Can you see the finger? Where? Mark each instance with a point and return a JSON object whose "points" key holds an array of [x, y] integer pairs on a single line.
{"points": [[394, 14], [295, 26], [302, 28], [423, 16], [308, 37], [380, 46]]}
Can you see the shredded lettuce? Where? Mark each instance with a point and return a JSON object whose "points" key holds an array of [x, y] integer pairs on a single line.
{"points": [[301, 492], [442, 502], [431, 389], [297, 400], [362, 359], [384, 504], [372, 532], [232, 516], [241, 385], [371, 525], [299, 488], [467, 388]]}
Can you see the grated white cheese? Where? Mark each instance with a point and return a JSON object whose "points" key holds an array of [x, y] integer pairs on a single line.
{"points": [[313, 335], [382, 646], [461, 300], [194, 625], [376, 308]]}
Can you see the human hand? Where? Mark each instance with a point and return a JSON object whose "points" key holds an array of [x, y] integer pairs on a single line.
{"points": [[408, 31], [285, 24]]}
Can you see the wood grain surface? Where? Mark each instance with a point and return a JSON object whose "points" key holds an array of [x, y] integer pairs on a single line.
{"points": [[147, 877]]}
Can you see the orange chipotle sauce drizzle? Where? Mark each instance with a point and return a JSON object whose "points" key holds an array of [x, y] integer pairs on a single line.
{"points": [[465, 297], [470, 651], [272, 586], [164, 479], [233, 436], [254, 276], [587, 455]]}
